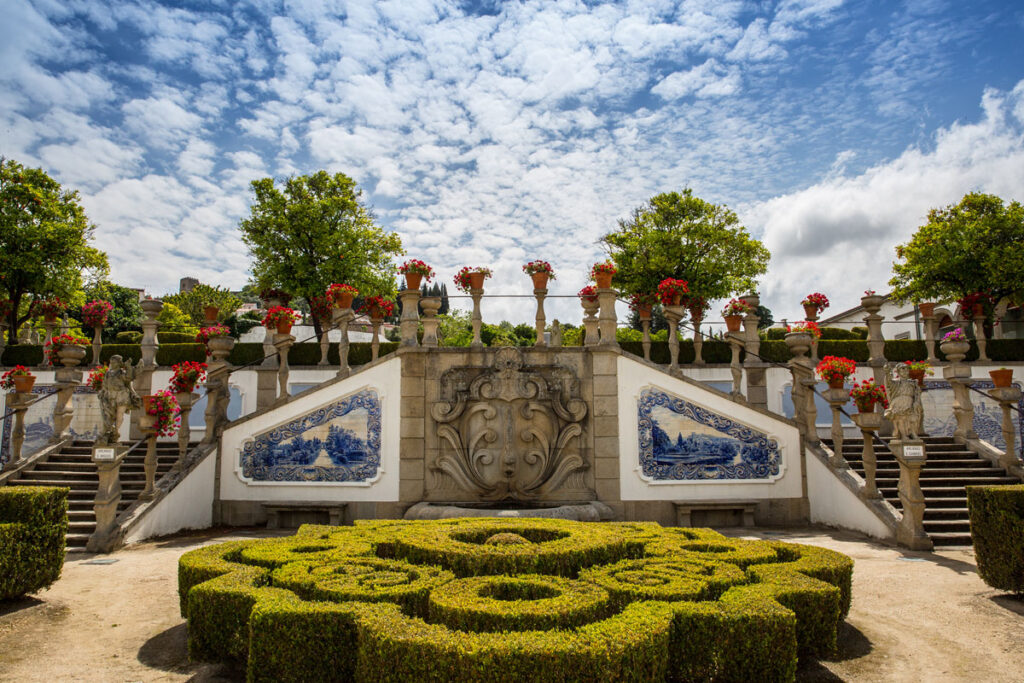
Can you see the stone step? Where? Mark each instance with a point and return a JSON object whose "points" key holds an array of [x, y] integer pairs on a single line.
{"points": [[937, 513], [950, 539], [947, 526]]}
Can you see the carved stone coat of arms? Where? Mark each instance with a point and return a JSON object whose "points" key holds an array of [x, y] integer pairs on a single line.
{"points": [[510, 432]]}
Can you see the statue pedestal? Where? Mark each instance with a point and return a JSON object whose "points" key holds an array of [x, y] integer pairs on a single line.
{"points": [[837, 398], [869, 424], [911, 457], [108, 496]]}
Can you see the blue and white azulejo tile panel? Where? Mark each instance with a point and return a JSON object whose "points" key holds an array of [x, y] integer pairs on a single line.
{"points": [[682, 441], [339, 442]]}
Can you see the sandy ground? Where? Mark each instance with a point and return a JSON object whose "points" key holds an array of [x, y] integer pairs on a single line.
{"points": [[916, 616]]}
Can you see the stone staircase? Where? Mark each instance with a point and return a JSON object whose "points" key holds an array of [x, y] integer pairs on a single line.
{"points": [[950, 468], [73, 467]]}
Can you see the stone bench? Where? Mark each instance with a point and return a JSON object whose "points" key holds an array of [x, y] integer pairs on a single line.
{"points": [[313, 510], [717, 513]]}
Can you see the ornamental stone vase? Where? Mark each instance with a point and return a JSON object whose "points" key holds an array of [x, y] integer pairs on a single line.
{"points": [[220, 347], [955, 351], [872, 303], [71, 354], [799, 343]]}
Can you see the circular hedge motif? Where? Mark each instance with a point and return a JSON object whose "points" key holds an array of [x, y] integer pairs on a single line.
{"points": [[512, 600]]}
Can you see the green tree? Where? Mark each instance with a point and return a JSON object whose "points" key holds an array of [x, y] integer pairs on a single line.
{"points": [[974, 246], [193, 302], [44, 241], [765, 317], [125, 316], [313, 232], [173, 319], [681, 236]]}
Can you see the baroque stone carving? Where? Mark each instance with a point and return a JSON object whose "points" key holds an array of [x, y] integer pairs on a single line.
{"points": [[117, 396], [905, 409], [511, 432]]}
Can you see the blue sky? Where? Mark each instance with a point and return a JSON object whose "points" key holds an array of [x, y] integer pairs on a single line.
{"points": [[492, 133]]}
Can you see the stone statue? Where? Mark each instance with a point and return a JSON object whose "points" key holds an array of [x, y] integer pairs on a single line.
{"points": [[116, 397], [556, 333], [905, 410]]}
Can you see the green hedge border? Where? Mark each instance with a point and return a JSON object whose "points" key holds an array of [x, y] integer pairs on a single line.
{"points": [[33, 532], [790, 605], [997, 532]]}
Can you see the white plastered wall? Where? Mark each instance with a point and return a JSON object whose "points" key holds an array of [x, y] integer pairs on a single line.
{"points": [[189, 505], [833, 504], [633, 378], [385, 379]]}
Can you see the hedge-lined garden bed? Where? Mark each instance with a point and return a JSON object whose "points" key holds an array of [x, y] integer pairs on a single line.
{"points": [[513, 600], [33, 527]]}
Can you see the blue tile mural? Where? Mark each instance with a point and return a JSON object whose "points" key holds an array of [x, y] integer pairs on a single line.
{"points": [[336, 443], [988, 416], [683, 441], [39, 421]]}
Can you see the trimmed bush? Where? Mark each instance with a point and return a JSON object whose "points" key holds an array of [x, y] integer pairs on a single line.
{"points": [[997, 531], [130, 337], [539, 599], [33, 527]]}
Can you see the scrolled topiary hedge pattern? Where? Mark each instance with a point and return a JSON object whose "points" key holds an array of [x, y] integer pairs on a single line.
{"points": [[512, 600], [997, 532], [33, 526]]}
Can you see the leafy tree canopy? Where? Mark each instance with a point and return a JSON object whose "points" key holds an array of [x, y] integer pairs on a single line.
{"points": [[125, 316], [44, 240], [681, 236], [313, 232], [193, 303], [974, 246]]}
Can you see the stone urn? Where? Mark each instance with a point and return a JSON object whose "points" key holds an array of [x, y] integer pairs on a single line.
{"points": [[799, 343], [872, 303], [955, 351], [151, 307], [220, 347], [71, 354], [590, 306]]}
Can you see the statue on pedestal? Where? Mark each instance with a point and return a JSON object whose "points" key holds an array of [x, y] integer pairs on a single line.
{"points": [[905, 410], [116, 397]]}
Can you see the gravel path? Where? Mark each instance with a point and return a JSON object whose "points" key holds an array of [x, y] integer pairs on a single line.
{"points": [[916, 617]]}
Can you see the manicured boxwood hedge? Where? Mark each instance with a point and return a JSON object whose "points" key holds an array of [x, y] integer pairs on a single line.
{"points": [[997, 530], [169, 354], [513, 600], [33, 526]]}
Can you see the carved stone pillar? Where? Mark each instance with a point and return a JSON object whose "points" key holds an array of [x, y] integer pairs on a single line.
{"points": [[911, 457], [283, 344], [325, 345], [97, 345], [375, 323], [150, 310], [930, 331], [143, 385], [802, 370], [590, 320], [269, 352], [266, 387], [979, 335], [19, 403], [1008, 398], [837, 398], [698, 339], [67, 379], [541, 322], [431, 305], [147, 423], [645, 325], [958, 374], [556, 334], [673, 314], [108, 497], [186, 400], [869, 424], [872, 303], [409, 323], [750, 322], [49, 326], [477, 319], [606, 320], [342, 318], [218, 392], [736, 341]]}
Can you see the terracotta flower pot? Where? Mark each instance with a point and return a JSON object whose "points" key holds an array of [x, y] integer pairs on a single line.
{"points": [[927, 309], [677, 299], [376, 312], [284, 327], [867, 407], [917, 375], [476, 280], [696, 315], [837, 383], [413, 280], [977, 310], [732, 322], [50, 317], [147, 402], [211, 313], [343, 300], [540, 280], [644, 311], [23, 383], [811, 311], [1002, 377], [603, 280]]}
